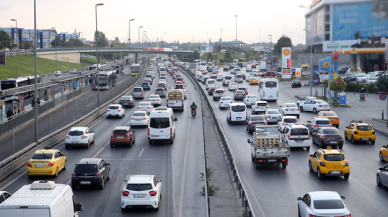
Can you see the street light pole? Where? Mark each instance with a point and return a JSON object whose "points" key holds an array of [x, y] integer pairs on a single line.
{"points": [[98, 79], [82, 60], [236, 27], [129, 39], [207, 37], [271, 42], [36, 78], [221, 38], [311, 62], [138, 53], [142, 42], [17, 56], [162, 39]]}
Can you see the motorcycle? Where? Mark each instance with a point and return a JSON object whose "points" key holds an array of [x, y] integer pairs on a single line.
{"points": [[362, 96], [193, 112]]}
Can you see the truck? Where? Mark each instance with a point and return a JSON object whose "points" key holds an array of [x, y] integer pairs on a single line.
{"points": [[192, 67], [263, 66], [267, 146]]}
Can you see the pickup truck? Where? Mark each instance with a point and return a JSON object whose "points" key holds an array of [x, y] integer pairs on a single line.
{"points": [[267, 147]]}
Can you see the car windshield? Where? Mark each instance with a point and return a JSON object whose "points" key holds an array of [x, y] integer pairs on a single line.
{"points": [[139, 114], [273, 112], [290, 120], [296, 81], [210, 82], [213, 88], [257, 118], [364, 128], [291, 105], [76, 133], [153, 97], [330, 131], [86, 168], [145, 84], [159, 123], [139, 187], [159, 89], [348, 75], [225, 98], [144, 104], [240, 92], [372, 78], [228, 77], [120, 132], [261, 104], [233, 83], [113, 107], [219, 91], [323, 122], [238, 108], [251, 97], [329, 114], [328, 204], [300, 131], [126, 98], [361, 75], [42, 156]]}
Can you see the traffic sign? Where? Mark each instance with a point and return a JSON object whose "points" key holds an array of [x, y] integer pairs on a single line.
{"points": [[383, 96], [336, 82]]}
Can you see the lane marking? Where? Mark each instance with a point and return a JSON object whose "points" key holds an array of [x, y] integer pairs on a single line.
{"points": [[141, 152], [18, 177]]}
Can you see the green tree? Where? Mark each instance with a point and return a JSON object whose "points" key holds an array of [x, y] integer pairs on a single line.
{"points": [[341, 86], [74, 43], [5, 40], [325, 83], [228, 56], [218, 48], [357, 35], [248, 56], [209, 56], [100, 37], [382, 84], [58, 42], [283, 41], [196, 55]]}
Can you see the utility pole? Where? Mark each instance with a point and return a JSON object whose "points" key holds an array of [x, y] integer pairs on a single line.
{"points": [[221, 38], [236, 28], [17, 56]]}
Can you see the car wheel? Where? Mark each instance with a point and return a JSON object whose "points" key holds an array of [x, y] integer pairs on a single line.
{"points": [[150, 142], [102, 185], [315, 110], [107, 117], [310, 168], [30, 176], [64, 166], [108, 178], [94, 138], [87, 145], [171, 141], [346, 176], [284, 165], [301, 108], [253, 159], [352, 139], [308, 148], [373, 142], [381, 157], [111, 145], [56, 173], [346, 138], [378, 181], [320, 176], [67, 146]]}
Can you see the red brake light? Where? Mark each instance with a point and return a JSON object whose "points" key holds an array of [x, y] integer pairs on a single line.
{"points": [[320, 105], [97, 175], [286, 109], [346, 163], [322, 163], [125, 193], [341, 137], [289, 137], [128, 134], [170, 131], [74, 175], [153, 193], [67, 137], [316, 125], [250, 123], [324, 137], [83, 137], [330, 125], [265, 123], [29, 165], [51, 164]]}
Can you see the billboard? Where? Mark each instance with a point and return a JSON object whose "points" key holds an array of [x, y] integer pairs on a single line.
{"points": [[274, 63], [298, 72], [367, 18], [330, 46], [324, 64], [286, 62], [203, 48], [258, 48], [316, 75]]}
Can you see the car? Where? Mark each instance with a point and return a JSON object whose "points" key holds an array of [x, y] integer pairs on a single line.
{"points": [[361, 77], [315, 106], [155, 100], [289, 109], [286, 121], [146, 86], [46, 162], [382, 176], [383, 154], [90, 172], [160, 91], [163, 81], [123, 135], [139, 118], [179, 86], [248, 77], [225, 68], [72, 71], [331, 115], [127, 101], [233, 86], [239, 95], [162, 85], [329, 162], [220, 77], [254, 120], [144, 191], [147, 79], [250, 100], [224, 102], [272, 116], [79, 136], [322, 203], [4, 196], [145, 106], [204, 78], [349, 77], [138, 92], [115, 110], [179, 79], [255, 72], [214, 75], [260, 107], [371, 80], [316, 122], [269, 74], [211, 90], [296, 83], [57, 73], [305, 99], [227, 80], [360, 131], [218, 93], [296, 136], [254, 81], [327, 136]]}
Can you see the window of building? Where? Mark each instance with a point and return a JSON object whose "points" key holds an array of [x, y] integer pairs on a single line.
{"points": [[327, 37], [327, 17], [327, 27], [327, 8]]}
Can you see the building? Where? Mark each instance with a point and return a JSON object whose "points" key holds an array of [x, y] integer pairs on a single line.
{"points": [[230, 44], [66, 36]]}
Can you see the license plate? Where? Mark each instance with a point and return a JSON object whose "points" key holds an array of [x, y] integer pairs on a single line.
{"points": [[171, 103], [364, 139], [85, 182], [120, 137], [335, 172], [154, 136], [138, 119], [333, 142], [39, 165], [299, 141], [139, 196], [238, 118], [272, 160], [75, 142], [274, 118]]}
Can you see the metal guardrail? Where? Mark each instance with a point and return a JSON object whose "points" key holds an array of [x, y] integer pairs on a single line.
{"points": [[19, 159], [245, 202]]}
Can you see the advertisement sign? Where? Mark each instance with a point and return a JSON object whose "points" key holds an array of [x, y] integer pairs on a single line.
{"points": [[342, 100], [286, 62], [298, 72], [316, 80], [258, 48], [274, 63], [174, 47], [324, 64], [210, 48], [330, 46], [386, 52], [21, 102], [2, 58]]}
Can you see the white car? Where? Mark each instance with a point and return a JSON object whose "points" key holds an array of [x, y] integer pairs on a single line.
{"points": [[289, 109], [250, 100], [255, 72], [296, 136], [139, 118], [220, 77], [361, 77], [371, 80], [305, 99], [233, 86], [155, 100], [272, 116], [224, 102], [57, 73], [248, 77], [141, 191], [145, 106], [115, 110], [287, 120], [79, 136], [260, 107], [322, 203], [163, 81], [315, 106]]}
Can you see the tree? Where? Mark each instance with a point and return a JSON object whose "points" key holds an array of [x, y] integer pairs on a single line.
{"points": [[196, 55], [283, 41], [58, 42], [218, 48], [5, 40], [357, 35], [341, 86], [228, 56], [101, 39], [74, 43], [382, 84], [325, 83], [248, 55], [209, 57]]}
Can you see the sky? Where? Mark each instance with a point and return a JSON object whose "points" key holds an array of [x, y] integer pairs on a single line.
{"points": [[201, 18]]}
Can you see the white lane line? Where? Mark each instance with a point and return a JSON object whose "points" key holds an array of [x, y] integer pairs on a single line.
{"points": [[96, 123], [140, 153], [184, 172], [9, 183]]}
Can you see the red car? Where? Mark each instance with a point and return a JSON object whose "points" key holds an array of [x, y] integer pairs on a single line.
{"points": [[269, 74]]}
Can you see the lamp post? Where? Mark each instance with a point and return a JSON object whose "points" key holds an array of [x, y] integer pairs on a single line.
{"points": [[311, 62], [17, 56], [82, 60], [162, 39], [260, 38], [129, 39], [271, 42], [138, 53], [221, 38], [142, 41], [207, 37], [36, 78], [98, 79], [236, 27], [192, 38], [56, 65]]}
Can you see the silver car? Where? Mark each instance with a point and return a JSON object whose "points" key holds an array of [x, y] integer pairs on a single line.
{"points": [[382, 175], [160, 91], [138, 92], [139, 118], [79, 136], [272, 116], [155, 100], [145, 106], [218, 93]]}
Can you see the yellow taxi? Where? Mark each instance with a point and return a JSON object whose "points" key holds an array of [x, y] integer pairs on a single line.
{"points": [[329, 162], [254, 81], [360, 131], [383, 155], [46, 162], [332, 116]]}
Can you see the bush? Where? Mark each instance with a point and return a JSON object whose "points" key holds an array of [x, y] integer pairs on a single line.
{"points": [[221, 60], [356, 86]]}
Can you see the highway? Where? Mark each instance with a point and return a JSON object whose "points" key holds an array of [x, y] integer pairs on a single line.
{"points": [[178, 165], [273, 191]]}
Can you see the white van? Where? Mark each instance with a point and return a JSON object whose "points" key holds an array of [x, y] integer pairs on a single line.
{"points": [[237, 112], [227, 80], [249, 68], [175, 99], [210, 83], [203, 65], [43, 199], [238, 78], [269, 89], [161, 125], [235, 61]]}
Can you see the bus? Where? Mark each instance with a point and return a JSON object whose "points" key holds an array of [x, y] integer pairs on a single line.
{"points": [[134, 69], [269, 89], [107, 79], [241, 61], [18, 82]]}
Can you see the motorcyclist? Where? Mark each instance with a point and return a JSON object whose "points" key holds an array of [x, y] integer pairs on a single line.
{"points": [[362, 92], [193, 106]]}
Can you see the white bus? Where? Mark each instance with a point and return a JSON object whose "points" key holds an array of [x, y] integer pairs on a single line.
{"points": [[107, 80], [269, 89], [18, 82]]}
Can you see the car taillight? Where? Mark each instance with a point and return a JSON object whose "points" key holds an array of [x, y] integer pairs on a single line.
{"points": [[148, 131], [324, 137], [29, 165], [260, 161], [341, 137], [125, 193], [51, 164], [284, 124], [84, 137], [121, 100], [320, 105], [267, 116], [322, 163], [355, 132], [67, 137], [230, 86], [309, 137], [289, 137], [74, 175], [128, 134], [286, 109], [98, 175], [330, 125], [346, 163], [244, 95], [298, 109], [108, 110], [148, 99], [170, 131], [138, 107], [316, 125], [250, 124]]}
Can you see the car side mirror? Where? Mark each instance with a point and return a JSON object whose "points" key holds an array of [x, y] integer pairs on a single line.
{"points": [[347, 127], [311, 155], [175, 119], [249, 141], [159, 180], [342, 197], [108, 164], [299, 198], [92, 131], [63, 154], [381, 169], [309, 122], [78, 207], [125, 181]]}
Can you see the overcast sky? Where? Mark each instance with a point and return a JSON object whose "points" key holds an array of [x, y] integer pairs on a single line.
{"points": [[180, 19]]}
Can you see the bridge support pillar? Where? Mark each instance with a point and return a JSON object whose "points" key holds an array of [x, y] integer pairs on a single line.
{"points": [[48, 94], [136, 57]]}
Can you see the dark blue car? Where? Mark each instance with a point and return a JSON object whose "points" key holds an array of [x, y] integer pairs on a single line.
{"points": [[146, 86]]}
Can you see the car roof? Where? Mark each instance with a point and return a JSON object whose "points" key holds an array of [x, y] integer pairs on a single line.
{"points": [[114, 105], [46, 151], [89, 160], [324, 195], [78, 128], [140, 178], [290, 117], [121, 128], [320, 118]]}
